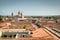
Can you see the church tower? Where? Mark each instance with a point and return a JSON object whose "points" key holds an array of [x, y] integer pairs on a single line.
{"points": [[12, 14], [19, 14]]}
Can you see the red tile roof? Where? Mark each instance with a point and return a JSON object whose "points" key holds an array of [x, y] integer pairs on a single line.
{"points": [[3, 23]]}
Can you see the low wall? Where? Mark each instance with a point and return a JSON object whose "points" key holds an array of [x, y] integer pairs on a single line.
{"points": [[28, 39]]}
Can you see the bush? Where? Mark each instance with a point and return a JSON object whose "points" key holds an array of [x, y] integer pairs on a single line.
{"points": [[25, 27]]}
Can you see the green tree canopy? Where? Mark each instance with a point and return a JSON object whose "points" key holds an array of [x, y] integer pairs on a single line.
{"points": [[0, 19]]}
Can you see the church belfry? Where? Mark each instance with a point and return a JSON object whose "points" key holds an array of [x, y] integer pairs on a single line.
{"points": [[19, 14]]}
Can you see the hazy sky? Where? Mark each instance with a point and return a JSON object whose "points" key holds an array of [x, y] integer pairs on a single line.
{"points": [[30, 7]]}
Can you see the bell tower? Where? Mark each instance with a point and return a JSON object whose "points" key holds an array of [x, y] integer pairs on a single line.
{"points": [[19, 14]]}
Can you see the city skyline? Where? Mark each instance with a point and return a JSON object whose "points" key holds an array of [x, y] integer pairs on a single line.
{"points": [[30, 7]]}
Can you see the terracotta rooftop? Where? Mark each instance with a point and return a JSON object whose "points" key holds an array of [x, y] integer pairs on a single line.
{"points": [[40, 33]]}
